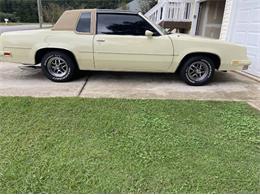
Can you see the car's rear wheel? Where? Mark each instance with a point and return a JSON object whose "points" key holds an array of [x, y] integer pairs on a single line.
{"points": [[58, 66], [198, 70]]}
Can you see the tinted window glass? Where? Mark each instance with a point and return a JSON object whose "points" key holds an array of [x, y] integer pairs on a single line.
{"points": [[123, 24], [84, 22]]}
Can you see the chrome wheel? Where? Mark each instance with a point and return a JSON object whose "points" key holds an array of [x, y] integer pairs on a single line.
{"points": [[57, 67], [198, 71]]}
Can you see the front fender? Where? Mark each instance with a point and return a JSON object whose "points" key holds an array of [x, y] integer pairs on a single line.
{"points": [[180, 56], [227, 52]]}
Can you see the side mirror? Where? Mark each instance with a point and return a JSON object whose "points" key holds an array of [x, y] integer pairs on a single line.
{"points": [[148, 33]]}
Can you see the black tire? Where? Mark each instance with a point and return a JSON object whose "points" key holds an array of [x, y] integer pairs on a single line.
{"points": [[203, 67], [50, 69]]}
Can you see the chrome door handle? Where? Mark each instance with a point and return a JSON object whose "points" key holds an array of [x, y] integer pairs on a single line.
{"points": [[101, 40]]}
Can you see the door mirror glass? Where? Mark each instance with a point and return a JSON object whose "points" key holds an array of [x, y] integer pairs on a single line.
{"points": [[148, 33]]}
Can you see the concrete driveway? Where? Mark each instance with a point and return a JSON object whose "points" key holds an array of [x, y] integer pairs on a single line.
{"points": [[226, 86]]}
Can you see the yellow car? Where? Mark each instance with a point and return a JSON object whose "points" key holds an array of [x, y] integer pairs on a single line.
{"points": [[109, 40]]}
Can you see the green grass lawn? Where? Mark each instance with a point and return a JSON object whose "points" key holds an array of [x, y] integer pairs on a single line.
{"points": [[75, 145]]}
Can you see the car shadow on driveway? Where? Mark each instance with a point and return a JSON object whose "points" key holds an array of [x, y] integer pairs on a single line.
{"points": [[225, 86], [17, 82]]}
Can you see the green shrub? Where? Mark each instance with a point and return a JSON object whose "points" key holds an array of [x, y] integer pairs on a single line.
{"points": [[11, 17]]}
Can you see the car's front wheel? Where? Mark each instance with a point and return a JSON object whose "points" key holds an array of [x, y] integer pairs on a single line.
{"points": [[58, 66], [198, 70]]}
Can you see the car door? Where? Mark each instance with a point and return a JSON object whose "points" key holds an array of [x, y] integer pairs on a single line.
{"points": [[120, 44]]}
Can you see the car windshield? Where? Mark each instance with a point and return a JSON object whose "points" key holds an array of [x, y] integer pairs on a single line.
{"points": [[160, 28]]}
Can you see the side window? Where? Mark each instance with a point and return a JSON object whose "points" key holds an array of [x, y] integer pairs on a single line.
{"points": [[123, 24], [84, 24]]}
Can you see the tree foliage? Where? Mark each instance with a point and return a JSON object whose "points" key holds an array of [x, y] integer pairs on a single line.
{"points": [[146, 5], [26, 10]]}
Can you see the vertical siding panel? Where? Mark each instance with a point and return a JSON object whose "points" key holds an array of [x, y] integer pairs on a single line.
{"points": [[226, 20]]}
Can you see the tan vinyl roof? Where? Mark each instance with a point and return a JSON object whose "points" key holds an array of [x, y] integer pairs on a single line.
{"points": [[69, 19]]}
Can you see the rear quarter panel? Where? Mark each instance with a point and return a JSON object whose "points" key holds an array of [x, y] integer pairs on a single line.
{"points": [[81, 45], [22, 45]]}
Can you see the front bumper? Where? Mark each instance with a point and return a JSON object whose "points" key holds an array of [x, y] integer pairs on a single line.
{"points": [[239, 64]]}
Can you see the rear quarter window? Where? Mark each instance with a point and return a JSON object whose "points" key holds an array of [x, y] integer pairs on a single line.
{"points": [[84, 24]]}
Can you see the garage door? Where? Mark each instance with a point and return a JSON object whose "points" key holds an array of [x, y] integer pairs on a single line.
{"points": [[246, 30]]}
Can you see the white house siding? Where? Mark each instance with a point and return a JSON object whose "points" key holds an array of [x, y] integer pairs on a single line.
{"points": [[244, 28], [226, 20]]}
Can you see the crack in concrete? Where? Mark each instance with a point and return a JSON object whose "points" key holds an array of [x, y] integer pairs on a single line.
{"points": [[84, 86]]}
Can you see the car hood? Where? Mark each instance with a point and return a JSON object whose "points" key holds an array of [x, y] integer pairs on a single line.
{"points": [[200, 39]]}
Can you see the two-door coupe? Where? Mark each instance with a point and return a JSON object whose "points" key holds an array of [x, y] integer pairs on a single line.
{"points": [[110, 40]]}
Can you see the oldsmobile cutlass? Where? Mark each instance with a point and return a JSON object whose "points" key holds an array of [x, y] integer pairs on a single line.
{"points": [[109, 40]]}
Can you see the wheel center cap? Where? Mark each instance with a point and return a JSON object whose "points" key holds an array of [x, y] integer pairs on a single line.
{"points": [[198, 71]]}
